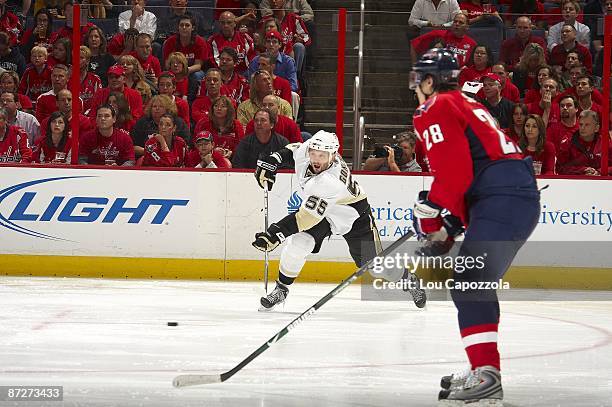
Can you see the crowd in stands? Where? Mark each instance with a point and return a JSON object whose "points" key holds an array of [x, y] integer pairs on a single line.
{"points": [[169, 86], [173, 85], [544, 87]]}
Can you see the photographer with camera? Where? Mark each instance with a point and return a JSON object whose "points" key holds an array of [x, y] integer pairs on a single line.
{"points": [[399, 157]]}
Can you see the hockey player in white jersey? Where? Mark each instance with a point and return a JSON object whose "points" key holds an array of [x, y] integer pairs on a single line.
{"points": [[333, 204]]}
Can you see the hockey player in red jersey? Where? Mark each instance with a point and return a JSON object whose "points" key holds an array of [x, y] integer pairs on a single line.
{"points": [[482, 185]]}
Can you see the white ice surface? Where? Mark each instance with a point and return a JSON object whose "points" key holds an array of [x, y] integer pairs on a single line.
{"points": [[107, 342]]}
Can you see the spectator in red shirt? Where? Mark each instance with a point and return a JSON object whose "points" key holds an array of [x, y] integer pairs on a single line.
{"points": [[581, 154], [106, 145], [36, 79], [509, 90], [544, 72], [282, 87], [574, 73], [90, 82], [64, 105], [123, 43], [293, 30], [568, 44], [125, 121], [10, 24], [480, 64], [14, 146], [144, 54], [567, 125], [66, 30], [533, 143], [526, 71], [46, 103], [194, 47], [513, 48], [167, 86], [116, 83], [9, 82], [285, 126], [482, 15], [208, 94], [584, 89], [517, 121], [455, 39], [230, 37], [165, 148], [61, 53], [234, 85], [56, 146], [222, 123], [205, 154], [185, 86], [499, 107], [545, 107]]}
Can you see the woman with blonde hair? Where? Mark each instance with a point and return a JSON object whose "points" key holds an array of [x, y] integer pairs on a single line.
{"points": [[526, 71], [133, 70], [177, 64], [221, 122], [145, 93], [533, 144], [149, 123]]}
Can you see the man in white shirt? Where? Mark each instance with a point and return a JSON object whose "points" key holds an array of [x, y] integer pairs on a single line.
{"points": [[138, 18], [433, 13], [570, 10], [15, 117]]}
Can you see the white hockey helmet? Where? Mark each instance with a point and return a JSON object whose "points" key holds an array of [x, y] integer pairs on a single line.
{"points": [[324, 141]]}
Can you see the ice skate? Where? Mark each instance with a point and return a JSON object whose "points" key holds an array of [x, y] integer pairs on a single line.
{"points": [[455, 380], [481, 389], [277, 296], [418, 294]]}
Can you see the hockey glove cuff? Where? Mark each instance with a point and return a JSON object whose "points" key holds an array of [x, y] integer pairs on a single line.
{"points": [[265, 173], [268, 240]]}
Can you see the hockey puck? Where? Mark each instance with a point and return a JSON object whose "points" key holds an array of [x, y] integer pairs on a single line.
{"points": [[172, 323]]}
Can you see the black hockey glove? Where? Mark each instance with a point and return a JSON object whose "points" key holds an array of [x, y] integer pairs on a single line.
{"points": [[265, 173], [435, 227], [268, 240]]}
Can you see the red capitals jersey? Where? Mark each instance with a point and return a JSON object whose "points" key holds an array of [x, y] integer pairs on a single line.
{"points": [[151, 64], [236, 88], [462, 47], [97, 148], [200, 109], [155, 157], [242, 43], [282, 88], [45, 153], [293, 29], [198, 49], [228, 140], [14, 147], [10, 24], [133, 97], [34, 83], [89, 87], [461, 138]]}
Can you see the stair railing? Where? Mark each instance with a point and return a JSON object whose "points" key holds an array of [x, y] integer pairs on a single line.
{"points": [[358, 120]]}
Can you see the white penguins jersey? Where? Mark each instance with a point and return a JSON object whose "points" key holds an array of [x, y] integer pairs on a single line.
{"points": [[328, 194]]}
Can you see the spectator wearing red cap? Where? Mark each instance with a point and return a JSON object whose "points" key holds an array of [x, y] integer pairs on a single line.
{"points": [[230, 37], [499, 107], [116, 83], [164, 148], [509, 90], [284, 66], [205, 154]]}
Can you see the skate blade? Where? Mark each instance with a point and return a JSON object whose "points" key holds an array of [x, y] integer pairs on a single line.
{"points": [[471, 403], [272, 308]]}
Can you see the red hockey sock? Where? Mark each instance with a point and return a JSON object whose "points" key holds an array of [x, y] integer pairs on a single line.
{"points": [[480, 342]]}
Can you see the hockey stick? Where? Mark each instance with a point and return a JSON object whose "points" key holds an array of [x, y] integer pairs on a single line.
{"points": [[194, 379], [266, 255]]}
